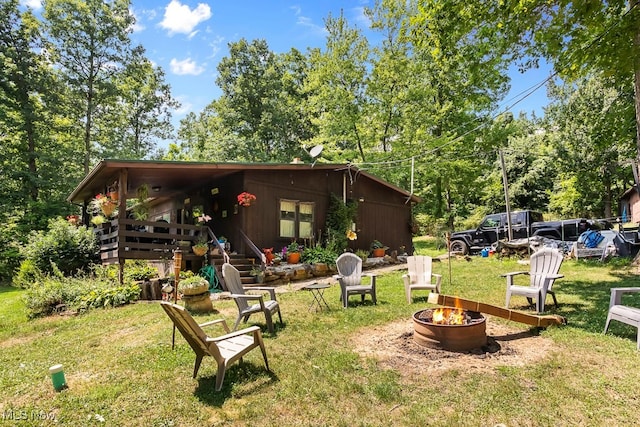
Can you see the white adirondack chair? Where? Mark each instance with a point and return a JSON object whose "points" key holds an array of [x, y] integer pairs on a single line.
{"points": [[544, 268], [420, 276]]}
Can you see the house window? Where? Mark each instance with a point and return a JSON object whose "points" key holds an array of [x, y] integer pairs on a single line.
{"points": [[296, 219]]}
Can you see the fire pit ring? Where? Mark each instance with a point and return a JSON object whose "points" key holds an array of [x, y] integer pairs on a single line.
{"points": [[469, 335]]}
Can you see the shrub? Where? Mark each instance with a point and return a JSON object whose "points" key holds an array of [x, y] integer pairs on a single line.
{"points": [[69, 247], [108, 296], [319, 254], [139, 270], [340, 216], [46, 297], [28, 274], [9, 252], [78, 293]]}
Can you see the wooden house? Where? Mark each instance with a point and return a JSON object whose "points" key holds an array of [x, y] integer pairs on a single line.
{"points": [[291, 203], [630, 205]]}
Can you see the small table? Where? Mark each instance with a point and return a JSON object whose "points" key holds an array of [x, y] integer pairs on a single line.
{"points": [[317, 290]]}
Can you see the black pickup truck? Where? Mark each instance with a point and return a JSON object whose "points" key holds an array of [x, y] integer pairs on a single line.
{"points": [[523, 224]]}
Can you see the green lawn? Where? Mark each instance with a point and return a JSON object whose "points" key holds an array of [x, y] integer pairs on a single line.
{"points": [[120, 367]]}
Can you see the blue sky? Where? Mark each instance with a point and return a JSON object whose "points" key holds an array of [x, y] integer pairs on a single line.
{"points": [[187, 38]]}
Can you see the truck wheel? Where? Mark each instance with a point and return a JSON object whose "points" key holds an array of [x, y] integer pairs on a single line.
{"points": [[459, 246]]}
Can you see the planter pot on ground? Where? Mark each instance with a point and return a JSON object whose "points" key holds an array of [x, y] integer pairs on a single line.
{"points": [[196, 290], [377, 253], [293, 258]]}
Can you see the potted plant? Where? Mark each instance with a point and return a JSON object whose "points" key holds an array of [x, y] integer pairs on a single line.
{"points": [[194, 285], [103, 203], [363, 254], [378, 249], [245, 198], [292, 252], [200, 247], [98, 220], [258, 273]]}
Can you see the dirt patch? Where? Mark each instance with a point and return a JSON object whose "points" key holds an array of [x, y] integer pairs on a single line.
{"points": [[393, 346]]}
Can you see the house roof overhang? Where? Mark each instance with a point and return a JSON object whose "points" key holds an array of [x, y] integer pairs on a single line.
{"points": [[628, 192], [173, 176]]}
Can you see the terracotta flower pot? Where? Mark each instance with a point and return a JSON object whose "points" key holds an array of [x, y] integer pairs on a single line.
{"points": [[293, 258], [378, 253]]}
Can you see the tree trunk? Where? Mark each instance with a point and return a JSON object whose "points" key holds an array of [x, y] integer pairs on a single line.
{"points": [[636, 82]]}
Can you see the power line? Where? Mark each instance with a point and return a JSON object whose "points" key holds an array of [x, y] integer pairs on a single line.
{"points": [[521, 96]]}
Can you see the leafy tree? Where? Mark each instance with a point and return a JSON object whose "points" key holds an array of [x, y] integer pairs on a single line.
{"points": [[580, 39], [91, 47], [260, 116], [529, 163], [593, 142], [454, 79], [32, 155], [259, 106], [143, 114], [336, 84]]}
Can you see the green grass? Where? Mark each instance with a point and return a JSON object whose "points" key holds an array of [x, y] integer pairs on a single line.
{"points": [[119, 364]]}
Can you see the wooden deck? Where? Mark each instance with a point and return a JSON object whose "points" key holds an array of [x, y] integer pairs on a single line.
{"points": [[149, 240]]}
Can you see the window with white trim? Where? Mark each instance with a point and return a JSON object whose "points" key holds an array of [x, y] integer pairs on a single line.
{"points": [[296, 219]]}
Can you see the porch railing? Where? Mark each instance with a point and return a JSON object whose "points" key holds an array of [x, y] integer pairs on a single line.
{"points": [[151, 240], [259, 254]]}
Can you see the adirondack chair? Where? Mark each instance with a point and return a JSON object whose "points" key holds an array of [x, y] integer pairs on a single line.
{"points": [[238, 292], [350, 275], [544, 267], [225, 349], [623, 313], [420, 276]]}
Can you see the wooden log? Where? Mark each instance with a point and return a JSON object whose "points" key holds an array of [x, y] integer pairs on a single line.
{"points": [[505, 313]]}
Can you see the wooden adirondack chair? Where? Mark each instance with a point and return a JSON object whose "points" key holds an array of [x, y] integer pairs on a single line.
{"points": [[238, 292], [420, 276], [350, 275], [225, 349], [544, 268]]}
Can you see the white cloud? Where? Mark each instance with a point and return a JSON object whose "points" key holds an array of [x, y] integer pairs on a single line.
{"points": [[305, 21], [33, 4], [179, 18], [216, 46], [185, 67]]}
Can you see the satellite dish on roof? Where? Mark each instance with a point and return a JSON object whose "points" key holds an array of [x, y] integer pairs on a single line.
{"points": [[315, 151]]}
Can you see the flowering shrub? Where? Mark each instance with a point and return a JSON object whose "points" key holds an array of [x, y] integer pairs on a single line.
{"points": [[245, 198]]}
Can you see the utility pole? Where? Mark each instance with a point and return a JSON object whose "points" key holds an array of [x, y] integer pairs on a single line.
{"points": [[506, 196]]}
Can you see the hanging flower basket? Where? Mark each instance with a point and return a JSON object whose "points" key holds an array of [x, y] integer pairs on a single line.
{"points": [[103, 203], [199, 250], [108, 208], [245, 198]]}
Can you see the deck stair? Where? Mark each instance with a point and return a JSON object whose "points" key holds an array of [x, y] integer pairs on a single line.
{"points": [[241, 262]]}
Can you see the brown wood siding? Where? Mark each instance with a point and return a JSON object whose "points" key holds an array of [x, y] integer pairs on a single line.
{"points": [[382, 215], [263, 219]]}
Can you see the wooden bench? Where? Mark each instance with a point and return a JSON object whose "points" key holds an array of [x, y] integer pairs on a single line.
{"points": [[623, 313]]}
